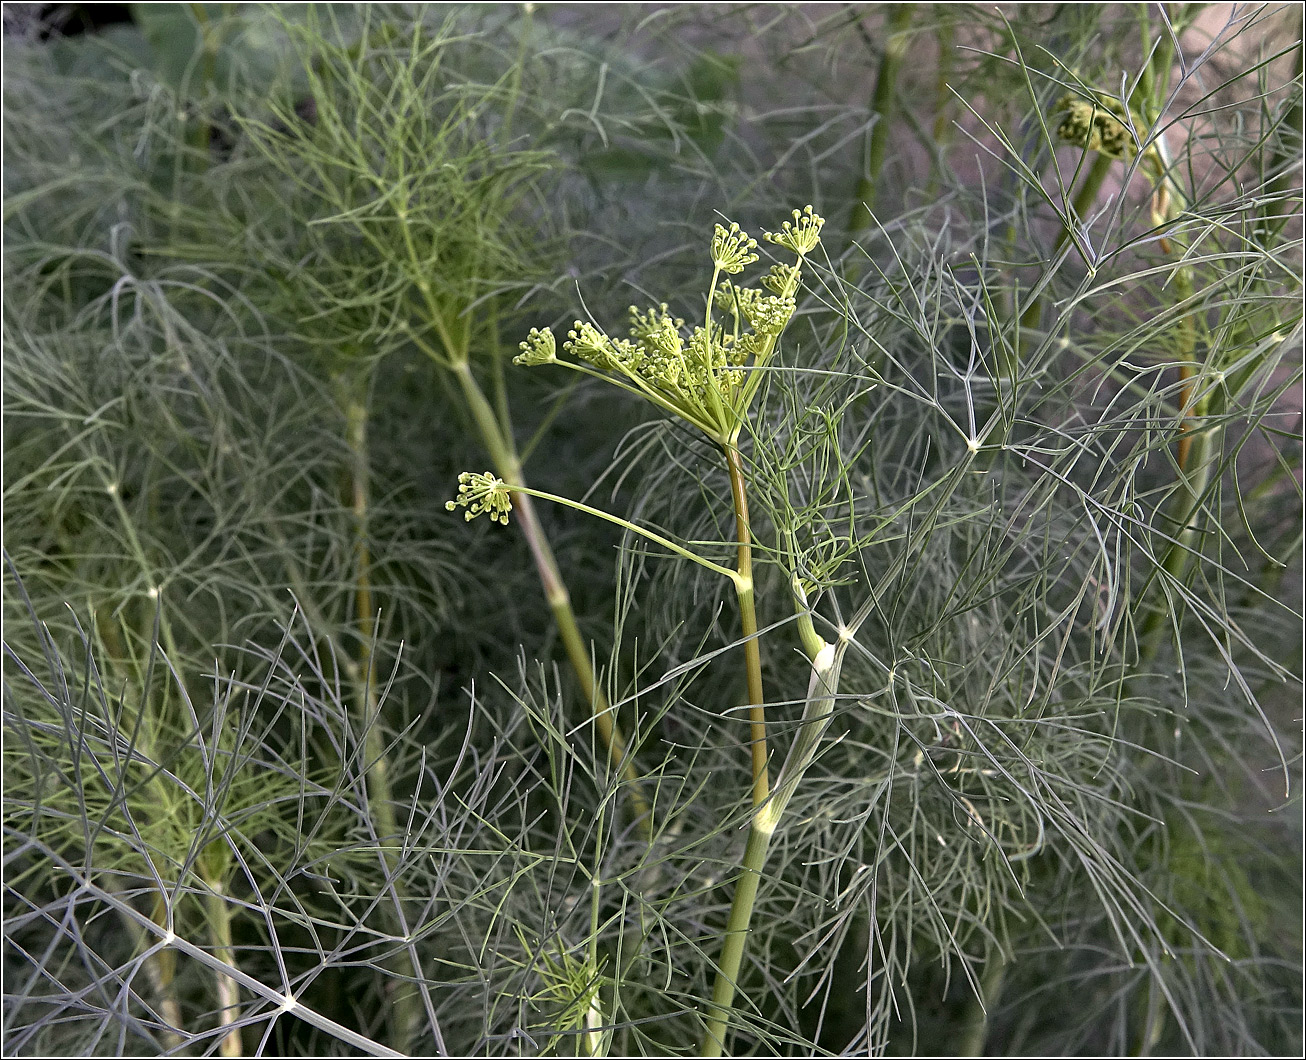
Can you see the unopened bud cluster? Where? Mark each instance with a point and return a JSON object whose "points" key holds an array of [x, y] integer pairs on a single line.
{"points": [[1096, 125]]}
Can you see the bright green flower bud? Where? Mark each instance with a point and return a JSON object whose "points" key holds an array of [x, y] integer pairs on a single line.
{"points": [[653, 322], [590, 344], [769, 315], [737, 299]]}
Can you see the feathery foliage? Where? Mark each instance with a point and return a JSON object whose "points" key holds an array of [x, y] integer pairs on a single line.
{"points": [[991, 490]]}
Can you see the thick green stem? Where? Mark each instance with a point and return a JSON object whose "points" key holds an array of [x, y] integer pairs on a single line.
{"points": [[407, 1012], [827, 664], [162, 967], [942, 102], [732, 952], [763, 825], [975, 1031], [748, 622], [219, 917], [503, 455], [886, 81], [162, 972], [1183, 515]]}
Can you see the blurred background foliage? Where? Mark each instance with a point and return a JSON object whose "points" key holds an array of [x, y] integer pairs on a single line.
{"points": [[278, 726]]}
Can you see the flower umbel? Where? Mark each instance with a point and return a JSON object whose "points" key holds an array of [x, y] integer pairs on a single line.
{"points": [[539, 347], [1096, 125], [482, 493], [732, 249], [800, 235], [708, 376]]}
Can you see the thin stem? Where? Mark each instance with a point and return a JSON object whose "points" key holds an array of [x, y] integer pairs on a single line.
{"points": [[507, 465], [616, 520], [379, 793]]}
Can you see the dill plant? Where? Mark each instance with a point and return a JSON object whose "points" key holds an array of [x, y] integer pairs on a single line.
{"points": [[1022, 512]]}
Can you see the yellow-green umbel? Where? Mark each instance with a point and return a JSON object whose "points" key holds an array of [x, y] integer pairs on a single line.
{"points": [[708, 374]]}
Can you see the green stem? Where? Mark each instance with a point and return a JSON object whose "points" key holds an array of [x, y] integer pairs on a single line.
{"points": [[748, 622], [899, 19], [976, 1029], [942, 103], [379, 793], [1153, 1022], [1080, 205], [827, 664], [732, 952], [763, 824], [507, 465], [1183, 514], [162, 972], [219, 916], [1284, 186]]}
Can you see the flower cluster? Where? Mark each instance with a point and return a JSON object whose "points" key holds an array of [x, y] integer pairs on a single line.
{"points": [[539, 348], [1096, 125], [801, 235], [700, 374], [480, 494], [732, 249]]}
